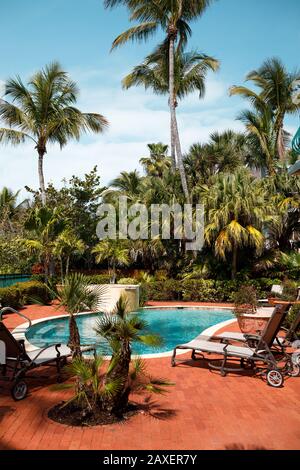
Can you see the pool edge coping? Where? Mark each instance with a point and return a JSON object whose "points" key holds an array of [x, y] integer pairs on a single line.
{"points": [[20, 330]]}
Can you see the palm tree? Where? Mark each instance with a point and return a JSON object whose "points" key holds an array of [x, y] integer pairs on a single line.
{"points": [[190, 70], [158, 161], [43, 112], [46, 225], [9, 206], [120, 330], [126, 184], [276, 92], [76, 296], [114, 252], [67, 245], [173, 17], [225, 152], [237, 207], [261, 139]]}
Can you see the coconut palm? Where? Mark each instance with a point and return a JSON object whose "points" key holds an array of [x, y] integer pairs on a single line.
{"points": [[190, 70], [261, 139], [126, 184], [114, 252], [173, 18], [237, 206], [76, 296], [120, 330], [44, 112], [276, 91]]}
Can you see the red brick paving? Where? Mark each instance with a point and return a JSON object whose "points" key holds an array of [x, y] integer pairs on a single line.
{"points": [[202, 411]]}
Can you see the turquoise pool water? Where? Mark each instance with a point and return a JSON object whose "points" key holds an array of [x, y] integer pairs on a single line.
{"points": [[7, 280], [175, 326]]}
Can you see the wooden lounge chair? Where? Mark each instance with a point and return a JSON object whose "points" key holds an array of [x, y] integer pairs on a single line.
{"points": [[15, 361], [255, 350]]}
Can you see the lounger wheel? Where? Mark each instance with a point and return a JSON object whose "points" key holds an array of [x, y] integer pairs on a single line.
{"points": [[274, 378], [294, 370], [19, 390]]}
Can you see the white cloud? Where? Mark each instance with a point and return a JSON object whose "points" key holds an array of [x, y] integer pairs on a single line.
{"points": [[136, 118]]}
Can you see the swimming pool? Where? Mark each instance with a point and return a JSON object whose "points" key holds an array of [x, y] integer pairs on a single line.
{"points": [[175, 326]]}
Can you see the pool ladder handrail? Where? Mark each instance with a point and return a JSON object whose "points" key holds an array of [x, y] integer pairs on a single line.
{"points": [[12, 310]]}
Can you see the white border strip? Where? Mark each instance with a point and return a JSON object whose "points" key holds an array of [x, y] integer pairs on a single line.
{"points": [[20, 331]]}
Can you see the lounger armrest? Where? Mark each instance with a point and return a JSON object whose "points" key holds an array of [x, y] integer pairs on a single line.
{"points": [[252, 337], [57, 345], [219, 338]]}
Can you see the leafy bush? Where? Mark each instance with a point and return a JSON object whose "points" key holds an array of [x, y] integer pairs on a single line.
{"points": [[245, 300], [290, 290], [201, 290], [24, 293], [128, 280], [98, 279], [10, 297], [163, 290]]}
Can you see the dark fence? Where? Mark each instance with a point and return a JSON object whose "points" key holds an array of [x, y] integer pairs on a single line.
{"points": [[7, 280]]}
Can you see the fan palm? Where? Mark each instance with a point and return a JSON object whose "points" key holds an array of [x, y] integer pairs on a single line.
{"points": [[237, 207], [120, 330], [158, 161], [43, 112], [173, 17], [276, 92], [75, 295], [225, 152]]}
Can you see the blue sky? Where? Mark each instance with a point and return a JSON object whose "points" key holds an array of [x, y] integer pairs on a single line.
{"points": [[240, 33]]}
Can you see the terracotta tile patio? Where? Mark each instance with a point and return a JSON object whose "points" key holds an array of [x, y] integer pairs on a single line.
{"points": [[202, 411]]}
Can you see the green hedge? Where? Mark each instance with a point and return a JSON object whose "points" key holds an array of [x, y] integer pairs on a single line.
{"points": [[203, 290], [128, 281], [98, 278], [24, 293]]}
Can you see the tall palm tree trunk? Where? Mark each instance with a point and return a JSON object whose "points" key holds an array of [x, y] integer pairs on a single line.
{"points": [[172, 98], [234, 261], [180, 163], [175, 141], [74, 338], [41, 153]]}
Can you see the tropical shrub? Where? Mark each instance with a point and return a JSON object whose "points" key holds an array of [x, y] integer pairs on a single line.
{"points": [[24, 293], [245, 300], [128, 280], [33, 292], [170, 289], [98, 279], [290, 290], [201, 290], [293, 313]]}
